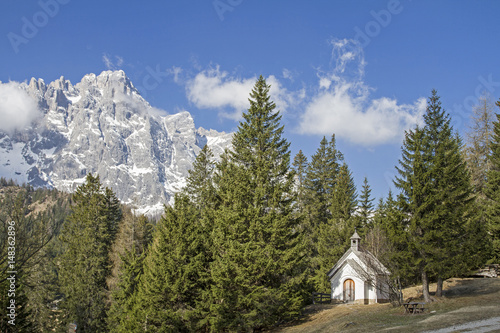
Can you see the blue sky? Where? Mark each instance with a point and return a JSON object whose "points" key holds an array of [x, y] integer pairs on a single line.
{"points": [[359, 69]]}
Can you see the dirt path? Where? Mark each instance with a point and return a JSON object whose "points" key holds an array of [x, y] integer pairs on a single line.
{"points": [[479, 326]]}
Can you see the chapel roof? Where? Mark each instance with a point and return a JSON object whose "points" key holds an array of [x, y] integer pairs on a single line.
{"points": [[365, 257]]}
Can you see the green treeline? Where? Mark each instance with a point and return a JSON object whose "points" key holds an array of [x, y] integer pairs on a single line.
{"points": [[252, 234], [35, 218]]}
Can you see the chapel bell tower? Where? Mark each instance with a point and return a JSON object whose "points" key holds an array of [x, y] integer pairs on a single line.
{"points": [[355, 240]]}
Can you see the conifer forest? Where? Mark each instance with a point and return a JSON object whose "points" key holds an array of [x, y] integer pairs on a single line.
{"points": [[253, 233]]}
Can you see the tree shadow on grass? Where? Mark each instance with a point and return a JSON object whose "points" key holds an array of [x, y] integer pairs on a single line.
{"points": [[309, 312], [473, 287]]}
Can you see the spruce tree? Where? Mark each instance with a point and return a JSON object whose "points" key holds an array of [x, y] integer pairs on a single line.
{"points": [[377, 240], [257, 270], [343, 207], [436, 196], [171, 285], [300, 167], [124, 294], [333, 236], [344, 202], [398, 257], [326, 178], [199, 185], [172, 292], [320, 182], [202, 194], [365, 206], [134, 233], [127, 256], [113, 212], [330, 246], [454, 212], [414, 186], [87, 237], [492, 191]]}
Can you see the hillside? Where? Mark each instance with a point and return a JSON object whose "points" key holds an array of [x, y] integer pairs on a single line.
{"points": [[39, 203], [474, 301]]}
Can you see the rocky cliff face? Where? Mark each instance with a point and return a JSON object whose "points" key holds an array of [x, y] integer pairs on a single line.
{"points": [[102, 125]]}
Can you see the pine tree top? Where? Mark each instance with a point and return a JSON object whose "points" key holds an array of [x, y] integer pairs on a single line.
{"points": [[258, 144], [437, 120]]}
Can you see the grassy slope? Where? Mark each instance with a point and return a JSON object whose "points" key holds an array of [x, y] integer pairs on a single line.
{"points": [[465, 300]]}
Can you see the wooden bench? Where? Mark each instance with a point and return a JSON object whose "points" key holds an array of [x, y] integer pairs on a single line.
{"points": [[414, 307], [319, 298]]}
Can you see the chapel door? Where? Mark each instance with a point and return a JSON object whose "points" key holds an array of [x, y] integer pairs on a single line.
{"points": [[349, 290]]}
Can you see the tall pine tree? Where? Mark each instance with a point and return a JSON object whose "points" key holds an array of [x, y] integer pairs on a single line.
{"points": [[435, 196], [85, 265], [199, 187], [320, 182], [300, 167], [492, 191], [170, 287], [127, 256], [333, 236], [365, 206], [258, 262], [330, 199], [124, 295], [344, 201], [174, 283], [398, 257]]}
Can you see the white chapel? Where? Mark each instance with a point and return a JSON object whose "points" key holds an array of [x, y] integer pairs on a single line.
{"points": [[359, 277]]}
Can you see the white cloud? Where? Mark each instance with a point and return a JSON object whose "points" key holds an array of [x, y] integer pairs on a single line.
{"points": [[216, 89], [152, 111], [343, 105], [119, 61], [349, 58], [139, 106], [17, 108], [110, 64], [107, 62], [213, 89], [340, 103], [325, 83], [288, 74], [283, 98], [381, 121], [176, 72]]}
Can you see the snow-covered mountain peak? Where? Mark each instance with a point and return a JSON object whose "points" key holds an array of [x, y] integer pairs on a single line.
{"points": [[115, 80], [36, 84], [103, 125], [61, 84]]}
